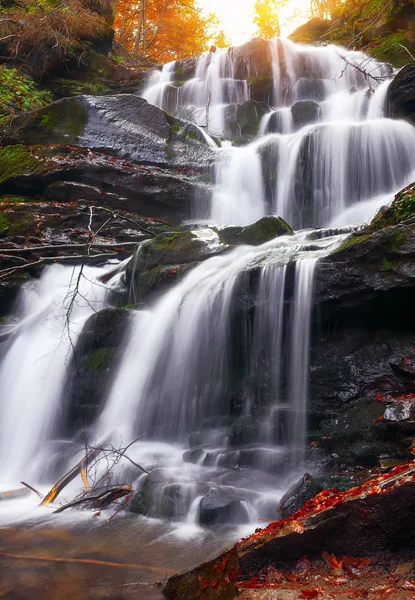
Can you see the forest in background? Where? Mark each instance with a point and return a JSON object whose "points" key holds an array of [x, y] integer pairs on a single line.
{"points": [[56, 48]]}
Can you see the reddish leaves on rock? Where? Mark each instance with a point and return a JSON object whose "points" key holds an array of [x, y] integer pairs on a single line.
{"points": [[225, 560]]}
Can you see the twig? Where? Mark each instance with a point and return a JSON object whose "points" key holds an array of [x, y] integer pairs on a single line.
{"points": [[32, 489]]}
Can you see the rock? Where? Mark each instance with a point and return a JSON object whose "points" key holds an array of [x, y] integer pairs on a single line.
{"points": [[401, 94], [244, 430], [264, 230], [74, 191], [366, 265], [152, 501], [242, 120], [371, 520], [305, 112], [194, 455], [401, 210], [298, 494], [398, 412], [160, 262], [220, 506], [97, 355], [124, 125], [311, 31], [143, 189]]}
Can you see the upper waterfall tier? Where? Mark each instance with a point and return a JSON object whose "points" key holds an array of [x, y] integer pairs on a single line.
{"points": [[321, 149], [279, 73]]}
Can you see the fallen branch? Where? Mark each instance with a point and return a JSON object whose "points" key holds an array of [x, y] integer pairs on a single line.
{"points": [[76, 470], [87, 561], [102, 500], [54, 248], [32, 489], [54, 259], [116, 215]]}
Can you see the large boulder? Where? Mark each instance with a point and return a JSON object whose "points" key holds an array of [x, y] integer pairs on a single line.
{"points": [[124, 125], [162, 261], [305, 112], [401, 94], [220, 506]]}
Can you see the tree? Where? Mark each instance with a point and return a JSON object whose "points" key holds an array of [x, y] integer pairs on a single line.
{"points": [[266, 17], [163, 29], [323, 9]]}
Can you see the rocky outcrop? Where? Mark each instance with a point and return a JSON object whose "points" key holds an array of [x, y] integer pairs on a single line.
{"points": [[401, 94], [160, 262], [357, 525]]}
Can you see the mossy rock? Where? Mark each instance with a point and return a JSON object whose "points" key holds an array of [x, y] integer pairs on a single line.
{"points": [[171, 248], [17, 160], [401, 209], [105, 329], [154, 501], [63, 121], [98, 360], [264, 230], [311, 32]]}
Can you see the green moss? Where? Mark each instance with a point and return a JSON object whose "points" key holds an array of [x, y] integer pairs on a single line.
{"points": [[386, 265], [16, 161], [265, 230], [98, 360], [175, 127], [352, 240], [401, 209]]}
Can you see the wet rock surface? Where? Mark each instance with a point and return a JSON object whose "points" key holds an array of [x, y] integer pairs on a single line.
{"points": [[356, 525], [401, 94]]}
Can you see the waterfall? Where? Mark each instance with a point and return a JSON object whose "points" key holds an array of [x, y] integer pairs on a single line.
{"points": [[307, 172], [215, 371], [33, 371]]}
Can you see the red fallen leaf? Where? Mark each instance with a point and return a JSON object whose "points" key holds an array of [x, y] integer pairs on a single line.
{"points": [[292, 577], [332, 561], [378, 420], [215, 583], [380, 397], [217, 567], [225, 560], [310, 593], [408, 585], [206, 584], [227, 579], [297, 526]]}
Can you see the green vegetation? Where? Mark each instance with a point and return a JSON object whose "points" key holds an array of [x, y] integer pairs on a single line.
{"points": [[17, 160], [19, 94], [401, 209], [352, 240], [98, 360]]}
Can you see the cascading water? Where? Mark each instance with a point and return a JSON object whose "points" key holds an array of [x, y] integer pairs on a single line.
{"points": [[33, 371], [215, 373]]}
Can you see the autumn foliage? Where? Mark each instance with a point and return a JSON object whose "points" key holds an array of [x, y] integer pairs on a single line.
{"points": [[163, 30]]}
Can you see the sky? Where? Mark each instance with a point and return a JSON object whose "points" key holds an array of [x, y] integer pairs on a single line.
{"points": [[237, 19]]}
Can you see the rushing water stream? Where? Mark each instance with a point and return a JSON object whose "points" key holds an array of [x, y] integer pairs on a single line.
{"points": [[186, 368]]}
